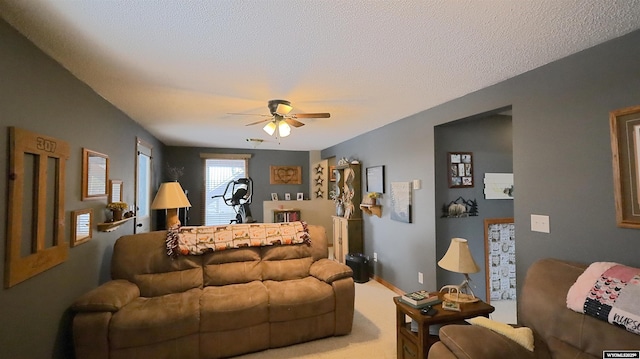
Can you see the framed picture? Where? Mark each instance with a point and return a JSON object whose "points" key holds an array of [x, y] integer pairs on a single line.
{"points": [[375, 179], [274, 196], [460, 169], [401, 202], [287, 196], [95, 172], [332, 173], [300, 196], [285, 175], [625, 148], [81, 223], [115, 191], [500, 258]]}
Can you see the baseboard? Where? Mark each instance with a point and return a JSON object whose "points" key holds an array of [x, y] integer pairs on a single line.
{"points": [[387, 284]]}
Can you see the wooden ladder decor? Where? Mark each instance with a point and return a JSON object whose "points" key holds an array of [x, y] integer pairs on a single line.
{"points": [[36, 191]]}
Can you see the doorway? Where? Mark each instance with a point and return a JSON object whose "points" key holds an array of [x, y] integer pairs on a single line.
{"points": [[488, 137], [143, 193]]}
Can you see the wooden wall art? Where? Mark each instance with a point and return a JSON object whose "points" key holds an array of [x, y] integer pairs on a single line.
{"points": [[285, 175], [35, 226]]}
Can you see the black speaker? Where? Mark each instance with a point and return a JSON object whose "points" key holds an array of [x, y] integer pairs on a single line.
{"points": [[359, 264]]}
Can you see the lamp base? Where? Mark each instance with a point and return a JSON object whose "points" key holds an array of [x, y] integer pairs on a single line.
{"points": [[172, 218], [461, 293], [460, 298]]}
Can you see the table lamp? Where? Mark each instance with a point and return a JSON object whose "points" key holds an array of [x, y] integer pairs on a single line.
{"points": [[170, 196], [458, 259]]}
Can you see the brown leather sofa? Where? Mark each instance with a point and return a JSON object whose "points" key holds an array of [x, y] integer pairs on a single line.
{"points": [[558, 332], [217, 305]]}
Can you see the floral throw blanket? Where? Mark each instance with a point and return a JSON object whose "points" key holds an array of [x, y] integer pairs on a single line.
{"points": [[610, 292], [190, 240]]}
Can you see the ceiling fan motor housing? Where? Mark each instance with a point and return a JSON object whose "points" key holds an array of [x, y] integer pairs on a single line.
{"points": [[273, 105]]}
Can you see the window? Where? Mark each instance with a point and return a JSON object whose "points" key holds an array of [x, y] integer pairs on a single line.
{"points": [[219, 170]]}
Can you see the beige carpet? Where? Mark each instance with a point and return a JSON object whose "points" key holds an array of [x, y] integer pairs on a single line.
{"points": [[373, 334]]}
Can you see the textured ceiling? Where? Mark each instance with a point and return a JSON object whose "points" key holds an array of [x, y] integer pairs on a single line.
{"points": [[179, 67]]}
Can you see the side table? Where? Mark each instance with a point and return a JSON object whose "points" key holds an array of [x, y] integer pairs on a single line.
{"points": [[412, 345]]}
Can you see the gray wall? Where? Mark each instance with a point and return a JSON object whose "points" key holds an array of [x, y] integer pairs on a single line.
{"points": [[490, 140], [38, 95], [193, 178], [561, 163]]}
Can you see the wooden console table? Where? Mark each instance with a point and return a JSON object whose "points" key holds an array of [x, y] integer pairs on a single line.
{"points": [[412, 345]]}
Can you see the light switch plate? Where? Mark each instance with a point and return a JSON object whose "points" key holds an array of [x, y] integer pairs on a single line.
{"points": [[539, 223]]}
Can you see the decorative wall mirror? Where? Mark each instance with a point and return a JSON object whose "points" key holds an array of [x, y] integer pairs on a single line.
{"points": [[81, 226], [115, 191], [95, 171]]}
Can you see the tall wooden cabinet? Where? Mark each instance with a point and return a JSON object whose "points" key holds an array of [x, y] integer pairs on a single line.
{"points": [[347, 237], [347, 232]]}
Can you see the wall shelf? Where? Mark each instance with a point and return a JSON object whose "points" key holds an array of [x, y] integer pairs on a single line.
{"points": [[371, 209], [112, 226]]}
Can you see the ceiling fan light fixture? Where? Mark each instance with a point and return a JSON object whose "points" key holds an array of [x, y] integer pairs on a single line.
{"points": [[270, 128], [284, 129]]}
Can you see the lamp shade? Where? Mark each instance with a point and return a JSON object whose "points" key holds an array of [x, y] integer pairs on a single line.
{"points": [[458, 258], [170, 195], [270, 128], [284, 129]]}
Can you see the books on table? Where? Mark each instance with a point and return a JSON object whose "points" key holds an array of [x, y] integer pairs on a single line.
{"points": [[421, 298]]}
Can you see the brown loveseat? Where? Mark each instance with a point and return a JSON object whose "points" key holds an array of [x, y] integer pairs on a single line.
{"points": [[558, 332], [220, 304]]}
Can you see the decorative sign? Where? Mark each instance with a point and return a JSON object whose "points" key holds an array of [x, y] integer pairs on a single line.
{"points": [[498, 185], [285, 175]]}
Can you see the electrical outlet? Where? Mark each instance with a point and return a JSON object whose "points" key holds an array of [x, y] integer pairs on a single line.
{"points": [[539, 223], [420, 278], [375, 256]]}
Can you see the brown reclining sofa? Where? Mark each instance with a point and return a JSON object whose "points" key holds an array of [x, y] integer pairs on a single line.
{"points": [[216, 305]]}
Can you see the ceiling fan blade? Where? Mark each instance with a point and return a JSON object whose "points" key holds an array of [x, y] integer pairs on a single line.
{"points": [[257, 122], [294, 123], [283, 109], [312, 115], [248, 114]]}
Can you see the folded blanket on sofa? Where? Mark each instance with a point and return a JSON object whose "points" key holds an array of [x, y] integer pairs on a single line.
{"points": [[522, 335], [610, 292], [197, 240]]}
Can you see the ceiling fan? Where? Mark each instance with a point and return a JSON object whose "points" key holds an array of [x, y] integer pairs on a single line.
{"points": [[280, 120]]}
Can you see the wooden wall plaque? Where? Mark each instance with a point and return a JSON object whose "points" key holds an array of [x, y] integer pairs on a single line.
{"points": [[36, 189], [285, 175]]}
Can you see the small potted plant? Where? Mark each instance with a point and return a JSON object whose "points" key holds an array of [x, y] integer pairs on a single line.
{"points": [[117, 208], [372, 197]]}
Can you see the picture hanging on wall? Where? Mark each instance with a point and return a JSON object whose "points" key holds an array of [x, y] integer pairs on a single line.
{"points": [[460, 169], [375, 179], [401, 201], [500, 248], [625, 136]]}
